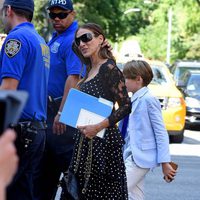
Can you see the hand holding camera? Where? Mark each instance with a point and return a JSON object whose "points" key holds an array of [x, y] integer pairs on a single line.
{"points": [[8, 157]]}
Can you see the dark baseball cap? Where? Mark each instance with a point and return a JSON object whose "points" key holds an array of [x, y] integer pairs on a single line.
{"points": [[64, 4], [21, 4]]}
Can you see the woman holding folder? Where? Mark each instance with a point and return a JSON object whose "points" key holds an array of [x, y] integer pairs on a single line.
{"points": [[98, 162]]}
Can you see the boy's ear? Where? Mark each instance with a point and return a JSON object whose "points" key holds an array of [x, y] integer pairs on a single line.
{"points": [[138, 78]]}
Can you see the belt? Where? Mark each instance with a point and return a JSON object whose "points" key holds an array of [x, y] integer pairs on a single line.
{"points": [[39, 125]]}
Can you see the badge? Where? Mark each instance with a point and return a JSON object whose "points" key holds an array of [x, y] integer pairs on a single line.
{"points": [[12, 47], [54, 47]]}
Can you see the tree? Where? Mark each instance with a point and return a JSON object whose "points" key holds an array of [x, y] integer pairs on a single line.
{"points": [[108, 13], [150, 24], [41, 19], [185, 28]]}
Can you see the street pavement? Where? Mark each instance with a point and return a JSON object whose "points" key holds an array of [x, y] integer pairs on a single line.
{"points": [[186, 186]]}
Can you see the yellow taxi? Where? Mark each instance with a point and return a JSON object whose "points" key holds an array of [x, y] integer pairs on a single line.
{"points": [[171, 100]]}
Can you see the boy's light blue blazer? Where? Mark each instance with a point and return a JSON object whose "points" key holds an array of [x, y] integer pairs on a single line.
{"points": [[149, 139]]}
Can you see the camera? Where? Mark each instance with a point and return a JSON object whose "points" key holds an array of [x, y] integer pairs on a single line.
{"points": [[11, 106]]}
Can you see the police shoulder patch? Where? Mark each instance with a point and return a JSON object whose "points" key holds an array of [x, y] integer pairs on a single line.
{"points": [[12, 47]]}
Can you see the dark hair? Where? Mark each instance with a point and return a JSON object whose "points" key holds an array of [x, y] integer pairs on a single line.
{"points": [[103, 52], [136, 68], [23, 13]]}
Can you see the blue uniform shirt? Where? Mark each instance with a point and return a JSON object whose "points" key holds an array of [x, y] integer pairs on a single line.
{"points": [[25, 57], [64, 61]]}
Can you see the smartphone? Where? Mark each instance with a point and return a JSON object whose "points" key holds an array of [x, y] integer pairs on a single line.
{"points": [[175, 167]]}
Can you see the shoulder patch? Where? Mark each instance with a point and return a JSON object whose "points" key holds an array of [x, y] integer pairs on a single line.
{"points": [[12, 47]]}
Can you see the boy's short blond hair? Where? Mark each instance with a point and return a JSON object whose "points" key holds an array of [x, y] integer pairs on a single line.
{"points": [[135, 68]]}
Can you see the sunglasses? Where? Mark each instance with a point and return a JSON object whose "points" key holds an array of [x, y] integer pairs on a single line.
{"points": [[87, 37], [60, 15]]}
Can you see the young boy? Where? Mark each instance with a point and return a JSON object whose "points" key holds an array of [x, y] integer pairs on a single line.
{"points": [[147, 142]]}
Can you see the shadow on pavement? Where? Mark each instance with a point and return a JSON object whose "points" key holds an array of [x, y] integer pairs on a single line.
{"points": [[192, 127], [188, 140]]}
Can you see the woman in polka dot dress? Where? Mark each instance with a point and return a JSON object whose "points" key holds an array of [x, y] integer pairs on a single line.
{"points": [[98, 162]]}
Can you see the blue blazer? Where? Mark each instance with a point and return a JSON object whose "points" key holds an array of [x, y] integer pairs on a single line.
{"points": [[148, 138]]}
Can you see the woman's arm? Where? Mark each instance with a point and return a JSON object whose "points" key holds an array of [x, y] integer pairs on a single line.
{"points": [[115, 83], [118, 91]]}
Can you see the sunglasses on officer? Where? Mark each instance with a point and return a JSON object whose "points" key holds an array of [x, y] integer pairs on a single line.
{"points": [[87, 37], [61, 15]]}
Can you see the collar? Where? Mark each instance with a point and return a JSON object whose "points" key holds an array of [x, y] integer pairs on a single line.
{"points": [[140, 93], [72, 27], [22, 25]]}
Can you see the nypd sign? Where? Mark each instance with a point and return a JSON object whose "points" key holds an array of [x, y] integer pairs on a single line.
{"points": [[63, 2]]}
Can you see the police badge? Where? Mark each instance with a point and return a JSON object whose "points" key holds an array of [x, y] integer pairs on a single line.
{"points": [[12, 47], [55, 46]]}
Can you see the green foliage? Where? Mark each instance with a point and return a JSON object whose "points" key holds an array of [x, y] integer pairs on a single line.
{"points": [[150, 25], [194, 47], [107, 13], [185, 31], [153, 38], [41, 20]]}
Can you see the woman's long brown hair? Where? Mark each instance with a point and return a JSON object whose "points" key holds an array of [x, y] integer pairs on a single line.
{"points": [[103, 52]]}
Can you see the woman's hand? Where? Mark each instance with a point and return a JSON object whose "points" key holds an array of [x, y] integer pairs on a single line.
{"points": [[168, 171], [89, 131], [107, 44]]}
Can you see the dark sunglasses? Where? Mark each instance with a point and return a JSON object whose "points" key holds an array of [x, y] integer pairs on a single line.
{"points": [[60, 15], [84, 38]]}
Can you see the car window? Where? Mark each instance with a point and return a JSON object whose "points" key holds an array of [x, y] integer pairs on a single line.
{"points": [[193, 85], [184, 77], [180, 70], [184, 69], [158, 75]]}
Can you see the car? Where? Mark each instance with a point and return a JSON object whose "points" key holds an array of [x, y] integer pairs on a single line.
{"points": [[171, 99], [121, 60], [190, 86], [181, 66]]}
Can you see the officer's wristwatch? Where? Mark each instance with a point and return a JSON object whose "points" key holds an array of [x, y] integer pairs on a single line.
{"points": [[59, 113]]}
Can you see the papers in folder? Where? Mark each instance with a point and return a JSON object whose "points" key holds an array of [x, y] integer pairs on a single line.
{"points": [[83, 109]]}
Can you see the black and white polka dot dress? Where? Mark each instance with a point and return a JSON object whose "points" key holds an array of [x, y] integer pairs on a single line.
{"points": [[107, 180]]}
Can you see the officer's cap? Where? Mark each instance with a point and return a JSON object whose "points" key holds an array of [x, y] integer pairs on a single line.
{"points": [[64, 4], [21, 4]]}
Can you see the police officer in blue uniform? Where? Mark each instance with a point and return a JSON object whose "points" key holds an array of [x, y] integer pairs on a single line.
{"points": [[24, 65], [65, 69]]}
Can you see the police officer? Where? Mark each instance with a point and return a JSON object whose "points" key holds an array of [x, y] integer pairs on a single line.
{"points": [[24, 65], [65, 69]]}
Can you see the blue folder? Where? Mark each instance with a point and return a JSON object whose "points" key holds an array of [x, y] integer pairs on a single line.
{"points": [[77, 100]]}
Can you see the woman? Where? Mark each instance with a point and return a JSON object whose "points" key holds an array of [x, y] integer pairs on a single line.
{"points": [[98, 162]]}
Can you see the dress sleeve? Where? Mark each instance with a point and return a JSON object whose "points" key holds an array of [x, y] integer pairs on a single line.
{"points": [[118, 91]]}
